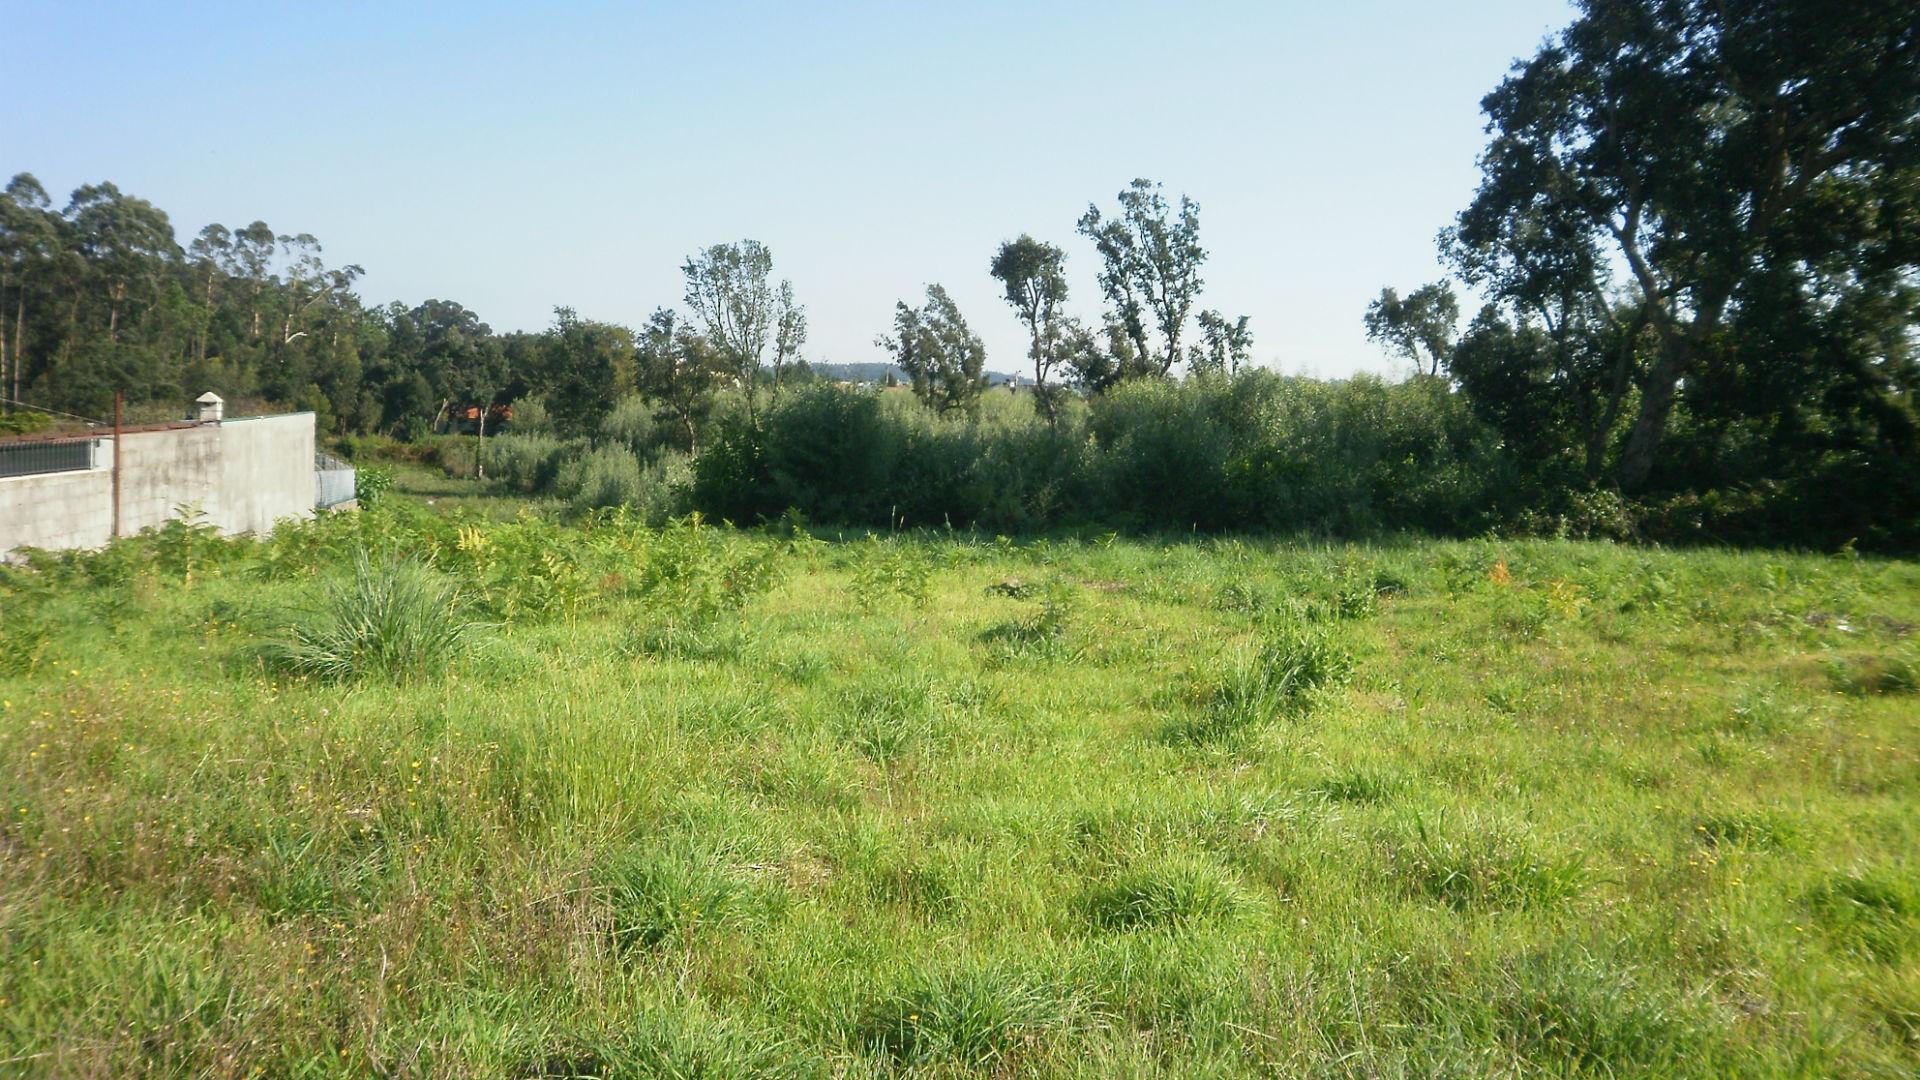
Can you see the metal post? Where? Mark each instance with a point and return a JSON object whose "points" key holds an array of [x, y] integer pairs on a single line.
{"points": [[118, 400]]}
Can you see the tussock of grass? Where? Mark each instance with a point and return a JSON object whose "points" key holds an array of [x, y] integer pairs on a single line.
{"points": [[890, 717], [1574, 1012], [1280, 678], [1360, 786], [1874, 914], [971, 1017], [1748, 829], [701, 641], [1166, 892], [673, 889], [391, 620], [1472, 867], [1871, 674]]}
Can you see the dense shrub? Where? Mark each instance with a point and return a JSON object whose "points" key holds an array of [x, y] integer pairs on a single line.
{"points": [[527, 463], [631, 424], [606, 476], [1257, 451]]}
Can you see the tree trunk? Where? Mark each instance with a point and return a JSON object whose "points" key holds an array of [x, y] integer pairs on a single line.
{"points": [[1679, 346], [19, 332]]}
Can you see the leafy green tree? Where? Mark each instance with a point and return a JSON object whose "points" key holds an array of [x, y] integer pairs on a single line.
{"points": [[1225, 345], [731, 293], [1033, 275], [1419, 328], [680, 369], [1709, 148], [1150, 257], [1098, 360], [934, 346], [29, 247], [588, 367]]}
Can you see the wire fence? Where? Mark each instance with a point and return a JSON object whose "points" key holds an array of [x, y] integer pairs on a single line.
{"points": [[332, 481]]}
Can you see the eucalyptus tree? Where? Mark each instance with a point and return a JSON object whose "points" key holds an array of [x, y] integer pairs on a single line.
{"points": [[1150, 258], [127, 241], [938, 351], [211, 256], [253, 252], [30, 244]]}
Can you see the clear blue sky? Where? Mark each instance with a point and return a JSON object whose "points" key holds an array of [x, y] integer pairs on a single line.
{"points": [[515, 158]]}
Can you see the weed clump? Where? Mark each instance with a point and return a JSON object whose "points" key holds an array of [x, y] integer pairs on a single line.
{"points": [[392, 620], [1044, 634], [1282, 677], [888, 570], [24, 639]]}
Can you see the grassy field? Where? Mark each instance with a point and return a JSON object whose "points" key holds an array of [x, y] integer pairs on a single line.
{"points": [[701, 803]]}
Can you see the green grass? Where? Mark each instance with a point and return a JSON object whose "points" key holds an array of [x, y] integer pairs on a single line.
{"points": [[705, 803]]}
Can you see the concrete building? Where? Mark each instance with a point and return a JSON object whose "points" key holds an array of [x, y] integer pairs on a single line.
{"points": [[243, 475]]}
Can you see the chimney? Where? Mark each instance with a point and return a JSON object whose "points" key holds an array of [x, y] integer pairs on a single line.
{"points": [[211, 407]]}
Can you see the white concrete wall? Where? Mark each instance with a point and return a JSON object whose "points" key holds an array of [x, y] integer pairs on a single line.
{"points": [[162, 474], [266, 472], [59, 510], [243, 475]]}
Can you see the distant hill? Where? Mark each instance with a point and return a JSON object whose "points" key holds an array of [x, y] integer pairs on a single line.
{"points": [[877, 371]]}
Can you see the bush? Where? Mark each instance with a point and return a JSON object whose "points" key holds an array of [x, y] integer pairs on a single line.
{"points": [[607, 476], [370, 482], [630, 424], [394, 620], [527, 463], [1257, 451]]}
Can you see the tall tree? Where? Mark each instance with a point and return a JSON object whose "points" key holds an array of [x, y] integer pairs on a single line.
{"points": [[1150, 258], [789, 331], [127, 241], [938, 351], [589, 366], [1225, 346], [731, 292], [1709, 146], [1419, 328], [679, 368], [29, 247], [1033, 275]]}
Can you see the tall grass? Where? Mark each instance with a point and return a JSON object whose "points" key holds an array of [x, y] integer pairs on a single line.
{"points": [[703, 813], [388, 619]]}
